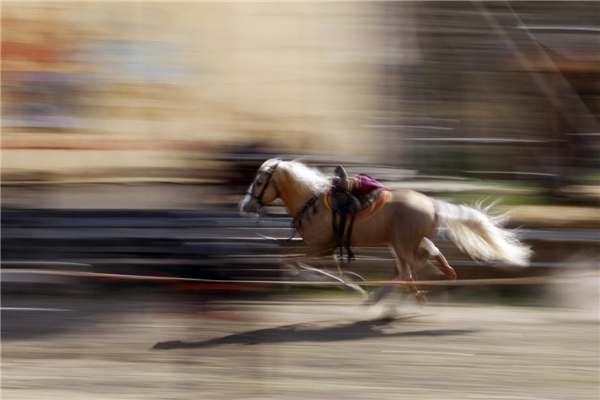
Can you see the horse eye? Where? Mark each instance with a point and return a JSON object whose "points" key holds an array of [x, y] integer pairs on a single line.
{"points": [[259, 184]]}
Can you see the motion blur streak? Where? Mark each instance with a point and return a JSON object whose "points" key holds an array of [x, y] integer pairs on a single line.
{"points": [[131, 132]]}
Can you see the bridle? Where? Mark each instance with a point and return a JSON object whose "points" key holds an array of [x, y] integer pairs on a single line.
{"points": [[298, 218], [270, 178]]}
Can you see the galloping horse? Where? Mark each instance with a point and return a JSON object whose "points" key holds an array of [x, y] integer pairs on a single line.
{"points": [[406, 223]]}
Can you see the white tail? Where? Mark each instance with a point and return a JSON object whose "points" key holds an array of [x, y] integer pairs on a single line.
{"points": [[480, 235]]}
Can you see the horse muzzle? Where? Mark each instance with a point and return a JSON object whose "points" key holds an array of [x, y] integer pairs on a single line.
{"points": [[248, 208]]}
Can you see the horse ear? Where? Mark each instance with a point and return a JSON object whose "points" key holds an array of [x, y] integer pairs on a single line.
{"points": [[288, 158], [277, 160]]}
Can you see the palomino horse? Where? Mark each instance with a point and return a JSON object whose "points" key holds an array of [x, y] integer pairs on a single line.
{"points": [[406, 222]]}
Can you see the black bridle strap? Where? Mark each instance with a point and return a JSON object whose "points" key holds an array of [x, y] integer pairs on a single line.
{"points": [[298, 218], [266, 185]]}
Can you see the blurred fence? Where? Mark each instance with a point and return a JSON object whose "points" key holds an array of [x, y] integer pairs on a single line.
{"points": [[173, 106], [221, 245]]}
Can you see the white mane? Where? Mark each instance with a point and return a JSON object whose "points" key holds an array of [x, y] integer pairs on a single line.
{"points": [[309, 180]]}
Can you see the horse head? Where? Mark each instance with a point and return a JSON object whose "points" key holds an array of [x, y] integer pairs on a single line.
{"points": [[263, 190]]}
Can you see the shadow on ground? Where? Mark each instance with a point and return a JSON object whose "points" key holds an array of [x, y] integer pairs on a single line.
{"points": [[309, 333]]}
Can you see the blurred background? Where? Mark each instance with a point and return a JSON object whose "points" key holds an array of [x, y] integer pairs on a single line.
{"points": [[131, 130]]}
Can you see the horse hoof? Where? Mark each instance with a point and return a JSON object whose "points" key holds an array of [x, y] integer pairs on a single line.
{"points": [[450, 274], [421, 298]]}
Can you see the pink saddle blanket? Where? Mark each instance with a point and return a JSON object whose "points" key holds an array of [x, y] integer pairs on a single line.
{"points": [[365, 184]]}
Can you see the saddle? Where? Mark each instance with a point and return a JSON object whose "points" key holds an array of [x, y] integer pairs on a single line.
{"points": [[348, 198]]}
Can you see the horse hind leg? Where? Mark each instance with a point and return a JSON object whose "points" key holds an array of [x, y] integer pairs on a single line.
{"points": [[445, 267], [407, 278], [406, 259], [434, 251]]}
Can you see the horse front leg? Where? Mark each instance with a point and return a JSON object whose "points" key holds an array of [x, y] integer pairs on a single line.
{"points": [[345, 277], [332, 271], [377, 294]]}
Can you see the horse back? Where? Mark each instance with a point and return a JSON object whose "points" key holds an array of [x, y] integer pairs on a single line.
{"points": [[414, 211], [406, 216]]}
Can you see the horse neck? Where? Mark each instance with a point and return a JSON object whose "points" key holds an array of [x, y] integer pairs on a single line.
{"points": [[294, 196]]}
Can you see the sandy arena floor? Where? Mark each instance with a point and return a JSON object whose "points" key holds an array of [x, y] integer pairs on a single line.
{"points": [[160, 347]]}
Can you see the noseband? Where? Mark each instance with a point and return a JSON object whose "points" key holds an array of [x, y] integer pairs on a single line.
{"points": [[266, 185]]}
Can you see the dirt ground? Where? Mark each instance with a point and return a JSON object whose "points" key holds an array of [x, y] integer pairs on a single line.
{"points": [[166, 346]]}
